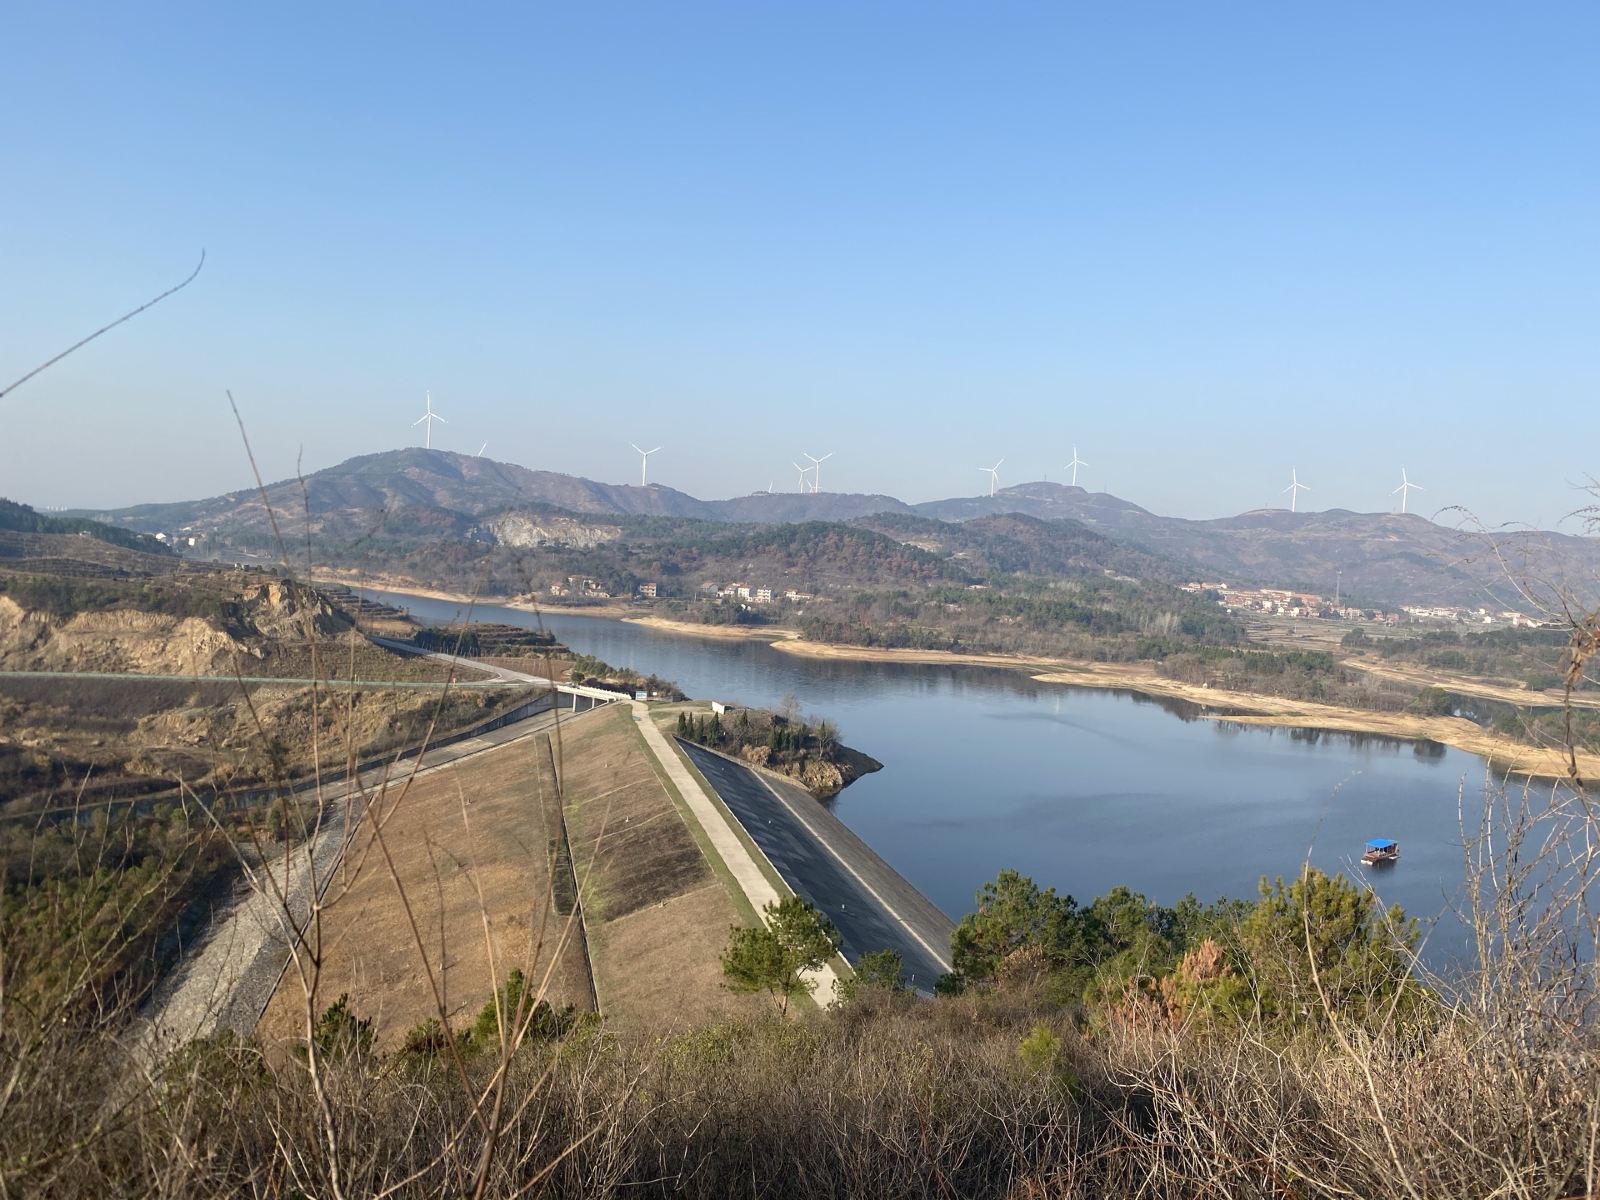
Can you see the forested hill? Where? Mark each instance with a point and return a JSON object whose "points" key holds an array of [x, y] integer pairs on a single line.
{"points": [[677, 555], [1013, 543], [1393, 558], [398, 499], [20, 518], [442, 493]]}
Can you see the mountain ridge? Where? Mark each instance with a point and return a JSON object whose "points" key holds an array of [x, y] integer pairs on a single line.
{"points": [[1386, 557]]}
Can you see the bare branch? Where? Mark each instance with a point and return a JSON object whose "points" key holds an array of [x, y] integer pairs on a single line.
{"points": [[105, 329]]}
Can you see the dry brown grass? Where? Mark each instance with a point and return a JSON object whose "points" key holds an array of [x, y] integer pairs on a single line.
{"points": [[469, 847], [658, 916]]}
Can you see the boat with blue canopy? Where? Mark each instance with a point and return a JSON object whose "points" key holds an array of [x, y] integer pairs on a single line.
{"points": [[1381, 852]]}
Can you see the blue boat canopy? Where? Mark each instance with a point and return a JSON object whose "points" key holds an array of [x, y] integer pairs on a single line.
{"points": [[1380, 843]]}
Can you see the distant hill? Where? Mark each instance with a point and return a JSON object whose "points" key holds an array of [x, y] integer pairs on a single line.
{"points": [[787, 507], [398, 499], [417, 492], [20, 518], [1047, 501], [1390, 558], [430, 490], [1015, 543]]}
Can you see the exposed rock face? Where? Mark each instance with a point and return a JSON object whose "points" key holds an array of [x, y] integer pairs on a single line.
{"points": [[155, 643], [519, 529], [819, 776]]}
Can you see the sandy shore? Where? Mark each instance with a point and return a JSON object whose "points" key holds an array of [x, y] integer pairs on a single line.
{"points": [[522, 603], [368, 583], [1420, 677], [759, 633], [798, 645], [1252, 708], [1246, 708]]}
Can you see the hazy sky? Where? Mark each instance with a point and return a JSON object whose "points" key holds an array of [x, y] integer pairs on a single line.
{"points": [[1204, 242]]}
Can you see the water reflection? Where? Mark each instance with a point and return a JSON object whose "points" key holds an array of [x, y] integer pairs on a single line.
{"points": [[1081, 788]]}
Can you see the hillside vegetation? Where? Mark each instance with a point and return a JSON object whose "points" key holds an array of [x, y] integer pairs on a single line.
{"points": [[20, 518], [1280, 1047], [372, 511], [69, 738], [1092, 617]]}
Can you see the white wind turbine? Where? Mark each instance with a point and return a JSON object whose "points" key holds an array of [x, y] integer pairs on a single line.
{"points": [[816, 470], [482, 448], [994, 475], [802, 471], [1294, 489], [430, 417], [644, 462], [1074, 465], [1405, 489]]}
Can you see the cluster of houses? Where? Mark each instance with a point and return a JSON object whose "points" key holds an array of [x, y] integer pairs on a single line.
{"points": [[182, 538], [1448, 614], [752, 593], [745, 593], [578, 585], [1283, 602]]}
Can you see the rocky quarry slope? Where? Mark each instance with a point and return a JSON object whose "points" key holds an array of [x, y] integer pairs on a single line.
{"points": [[247, 629]]}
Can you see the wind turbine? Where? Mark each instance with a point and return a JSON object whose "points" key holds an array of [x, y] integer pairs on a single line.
{"points": [[802, 471], [816, 470], [994, 475], [1405, 489], [644, 462], [482, 448], [1074, 465], [430, 417], [1294, 489]]}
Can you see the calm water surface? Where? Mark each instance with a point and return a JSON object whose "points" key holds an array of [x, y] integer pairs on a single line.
{"points": [[1080, 788]]}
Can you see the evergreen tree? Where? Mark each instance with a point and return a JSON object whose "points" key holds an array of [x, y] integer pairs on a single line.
{"points": [[772, 958]]}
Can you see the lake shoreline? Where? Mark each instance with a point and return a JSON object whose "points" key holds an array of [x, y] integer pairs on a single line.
{"points": [[1245, 708], [747, 633], [623, 612]]}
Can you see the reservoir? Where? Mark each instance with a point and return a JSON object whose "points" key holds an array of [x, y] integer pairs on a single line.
{"points": [[1082, 789]]}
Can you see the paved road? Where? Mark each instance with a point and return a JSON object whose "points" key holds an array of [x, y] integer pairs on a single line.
{"points": [[873, 907], [327, 682], [500, 674], [722, 833]]}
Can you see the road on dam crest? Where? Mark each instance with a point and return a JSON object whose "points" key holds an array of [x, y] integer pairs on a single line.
{"points": [[873, 907]]}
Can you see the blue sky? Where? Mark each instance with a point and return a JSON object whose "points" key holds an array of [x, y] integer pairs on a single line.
{"points": [[1205, 243]]}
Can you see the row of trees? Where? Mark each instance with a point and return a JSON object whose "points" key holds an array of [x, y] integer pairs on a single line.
{"points": [[1539, 658], [1313, 948], [1316, 944], [1095, 618], [784, 737]]}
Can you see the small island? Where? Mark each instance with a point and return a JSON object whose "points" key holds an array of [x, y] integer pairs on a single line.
{"points": [[806, 749]]}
